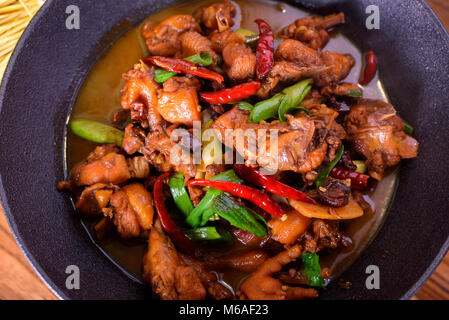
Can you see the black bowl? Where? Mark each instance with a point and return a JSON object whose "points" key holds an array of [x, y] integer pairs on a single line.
{"points": [[50, 63]]}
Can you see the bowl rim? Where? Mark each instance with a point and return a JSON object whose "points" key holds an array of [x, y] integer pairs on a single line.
{"points": [[10, 217]]}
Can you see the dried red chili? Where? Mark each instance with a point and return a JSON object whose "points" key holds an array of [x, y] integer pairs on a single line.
{"points": [[358, 180], [175, 233], [370, 68], [234, 94], [264, 50], [262, 200], [184, 66], [255, 177]]}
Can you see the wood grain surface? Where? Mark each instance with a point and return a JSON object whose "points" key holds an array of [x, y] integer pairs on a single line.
{"points": [[18, 280]]}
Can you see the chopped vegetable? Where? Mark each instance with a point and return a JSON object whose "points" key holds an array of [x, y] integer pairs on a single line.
{"points": [[255, 177], [264, 50], [408, 129], [324, 173], [259, 198], [355, 93], [312, 269], [370, 68], [183, 66], [293, 97], [361, 166], [239, 92], [208, 233], [96, 131], [319, 211], [202, 212], [239, 216], [358, 180], [179, 194], [271, 107], [175, 233], [266, 109], [162, 75], [243, 105]]}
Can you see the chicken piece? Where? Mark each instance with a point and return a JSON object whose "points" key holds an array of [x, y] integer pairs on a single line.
{"points": [[248, 239], [139, 94], [217, 16], [247, 261], [158, 152], [295, 150], [340, 89], [378, 134], [221, 39], [294, 61], [94, 198], [312, 31], [209, 280], [289, 230], [192, 42], [141, 202], [163, 268], [262, 286], [123, 215], [240, 62], [324, 234], [139, 167], [134, 139], [164, 39], [110, 168], [178, 101]]}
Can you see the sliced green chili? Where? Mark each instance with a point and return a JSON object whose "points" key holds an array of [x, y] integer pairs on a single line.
{"points": [[179, 194], [208, 233], [361, 166], [324, 173], [293, 96], [201, 214], [243, 105], [96, 131], [312, 269], [355, 93], [239, 216], [266, 109], [408, 128]]}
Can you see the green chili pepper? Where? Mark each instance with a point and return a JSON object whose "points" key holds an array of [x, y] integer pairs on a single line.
{"points": [[243, 105], [324, 173], [239, 216], [355, 93], [179, 194], [202, 213], [408, 128], [266, 109], [208, 233], [312, 269], [293, 97], [96, 131], [162, 75]]}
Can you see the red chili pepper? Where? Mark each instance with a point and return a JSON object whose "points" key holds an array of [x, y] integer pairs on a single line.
{"points": [[239, 92], [255, 177], [370, 68], [264, 50], [251, 194], [184, 66], [178, 237], [358, 180]]}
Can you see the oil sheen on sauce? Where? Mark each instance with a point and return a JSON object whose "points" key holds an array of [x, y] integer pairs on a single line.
{"points": [[99, 97]]}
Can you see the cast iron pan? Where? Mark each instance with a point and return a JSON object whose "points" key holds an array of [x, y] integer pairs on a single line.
{"points": [[50, 63]]}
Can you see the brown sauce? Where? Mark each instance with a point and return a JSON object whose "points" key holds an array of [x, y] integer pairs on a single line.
{"points": [[99, 97]]}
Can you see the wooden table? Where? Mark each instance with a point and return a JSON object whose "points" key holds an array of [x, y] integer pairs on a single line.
{"points": [[18, 280]]}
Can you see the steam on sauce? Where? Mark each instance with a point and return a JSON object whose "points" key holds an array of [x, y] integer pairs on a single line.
{"points": [[99, 97]]}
